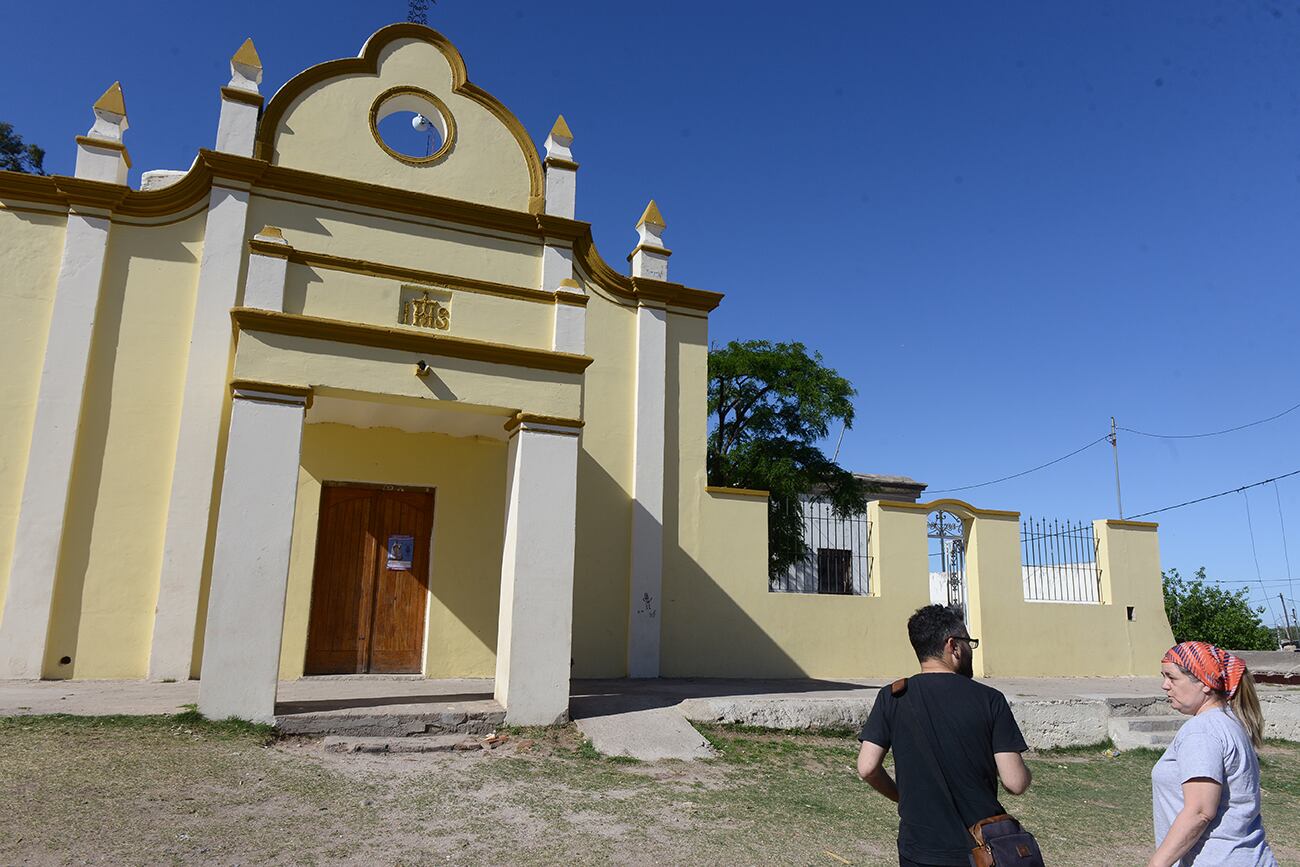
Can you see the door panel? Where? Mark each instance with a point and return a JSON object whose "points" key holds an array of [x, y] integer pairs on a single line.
{"points": [[397, 638], [366, 617]]}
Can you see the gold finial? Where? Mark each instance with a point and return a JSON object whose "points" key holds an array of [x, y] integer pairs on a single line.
{"points": [[561, 129], [247, 55], [112, 100], [271, 232], [652, 217]]}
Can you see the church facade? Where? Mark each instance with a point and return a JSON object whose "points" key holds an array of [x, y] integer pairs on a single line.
{"points": [[320, 405]]}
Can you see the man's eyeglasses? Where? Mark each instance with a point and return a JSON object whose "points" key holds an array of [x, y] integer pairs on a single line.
{"points": [[973, 642]]}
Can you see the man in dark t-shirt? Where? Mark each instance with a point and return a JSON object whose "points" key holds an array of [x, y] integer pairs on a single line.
{"points": [[966, 726]]}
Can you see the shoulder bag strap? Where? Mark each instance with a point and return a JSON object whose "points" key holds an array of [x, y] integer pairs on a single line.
{"points": [[929, 750]]}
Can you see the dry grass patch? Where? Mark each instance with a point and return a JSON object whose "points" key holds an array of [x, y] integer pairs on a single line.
{"points": [[163, 790]]}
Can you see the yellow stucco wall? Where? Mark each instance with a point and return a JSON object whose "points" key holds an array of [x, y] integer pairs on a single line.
{"points": [[107, 580], [370, 370], [327, 131], [30, 247], [378, 301], [469, 475], [603, 556], [407, 242], [719, 618]]}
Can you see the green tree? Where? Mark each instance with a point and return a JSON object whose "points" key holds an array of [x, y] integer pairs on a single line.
{"points": [[1201, 611], [770, 403], [15, 156]]}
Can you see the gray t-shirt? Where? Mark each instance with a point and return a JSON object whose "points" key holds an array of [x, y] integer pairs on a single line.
{"points": [[1216, 746]]}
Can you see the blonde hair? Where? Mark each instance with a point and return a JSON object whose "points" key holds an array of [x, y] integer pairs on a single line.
{"points": [[1244, 704]]}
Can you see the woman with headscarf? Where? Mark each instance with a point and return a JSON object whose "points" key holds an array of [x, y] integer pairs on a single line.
{"points": [[1205, 788]]}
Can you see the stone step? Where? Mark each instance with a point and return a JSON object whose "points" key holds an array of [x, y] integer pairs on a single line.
{"points": [[424, 744], [1153, 732], [1155, 723], [381, 724]]}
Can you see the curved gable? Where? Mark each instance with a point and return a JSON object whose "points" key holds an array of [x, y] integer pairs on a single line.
{"points": [[321, 121]]}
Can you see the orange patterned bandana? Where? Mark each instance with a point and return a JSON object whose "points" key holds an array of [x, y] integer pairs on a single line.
{"points": [[1216, 668]]}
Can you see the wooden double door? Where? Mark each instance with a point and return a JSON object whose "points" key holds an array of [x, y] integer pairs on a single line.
{"points": [[371, 580]]}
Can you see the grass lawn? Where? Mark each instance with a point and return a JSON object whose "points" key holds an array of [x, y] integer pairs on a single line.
{"points": [[149, 790]]}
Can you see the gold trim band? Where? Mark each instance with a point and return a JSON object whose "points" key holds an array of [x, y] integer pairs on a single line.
{"points": [[303, 393], [558, 163], [1132, 525], [944, 504], [738, 492], [554, 420], [389, 337], [234, 94], [449, 135], [107, 145]]}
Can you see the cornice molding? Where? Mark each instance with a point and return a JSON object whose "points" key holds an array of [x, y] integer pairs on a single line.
{"points": [[637, 289], [367, 63], [737, 492], [1131, 525], [235, 94], [520, 418], [947, 504], [406, 339], [298, 393]]}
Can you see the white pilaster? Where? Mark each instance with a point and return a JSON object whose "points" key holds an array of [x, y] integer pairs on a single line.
{"points": [[650, 257], [101, 156], [535, 623], [268, 266], [189, 508], [240, 103], [561, 171], [645, 597], [250, 563], [570, 318], [24, 626]]}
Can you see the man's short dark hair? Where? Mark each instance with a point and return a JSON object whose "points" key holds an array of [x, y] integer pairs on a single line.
{"points": [[931, 627]]}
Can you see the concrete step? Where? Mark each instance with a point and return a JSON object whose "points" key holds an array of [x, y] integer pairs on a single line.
{"points": [[1155, 723], [383, 723], [1153, 732], [423, 744]]}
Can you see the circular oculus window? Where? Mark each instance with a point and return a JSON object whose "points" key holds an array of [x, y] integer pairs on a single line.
{"points": [[412, 125]]}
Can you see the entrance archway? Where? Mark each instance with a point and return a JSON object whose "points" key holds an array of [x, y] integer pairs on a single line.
{"points": [[947, 535]]}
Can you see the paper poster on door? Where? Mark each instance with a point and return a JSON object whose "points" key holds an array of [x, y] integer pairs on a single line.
{"points": [[400, 551]]}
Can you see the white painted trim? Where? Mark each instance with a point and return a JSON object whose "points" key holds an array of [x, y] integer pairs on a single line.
{"points": [[561, 191], [264, 287], [250, 561], [237, 127], [24, 627], [645, 590], [189, 508], [570, 329], [535, 623]]}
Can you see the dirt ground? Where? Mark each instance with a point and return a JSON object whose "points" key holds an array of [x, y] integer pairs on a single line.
{"points": [[153, 790]]}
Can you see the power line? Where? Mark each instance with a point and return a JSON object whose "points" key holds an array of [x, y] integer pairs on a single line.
{"points": [[1211, 433], [1285, 552], [1025, 472], [1250, 526], [1214, 496]]}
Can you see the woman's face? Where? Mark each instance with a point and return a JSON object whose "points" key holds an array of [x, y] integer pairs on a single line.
{"points": [[1186, 694]]}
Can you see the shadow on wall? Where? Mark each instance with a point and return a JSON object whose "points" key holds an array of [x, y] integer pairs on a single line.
{"points": [[83, 492], [600, 576]]}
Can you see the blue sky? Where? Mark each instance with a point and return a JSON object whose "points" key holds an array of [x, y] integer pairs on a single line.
{"points": [[1004, 223]]}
